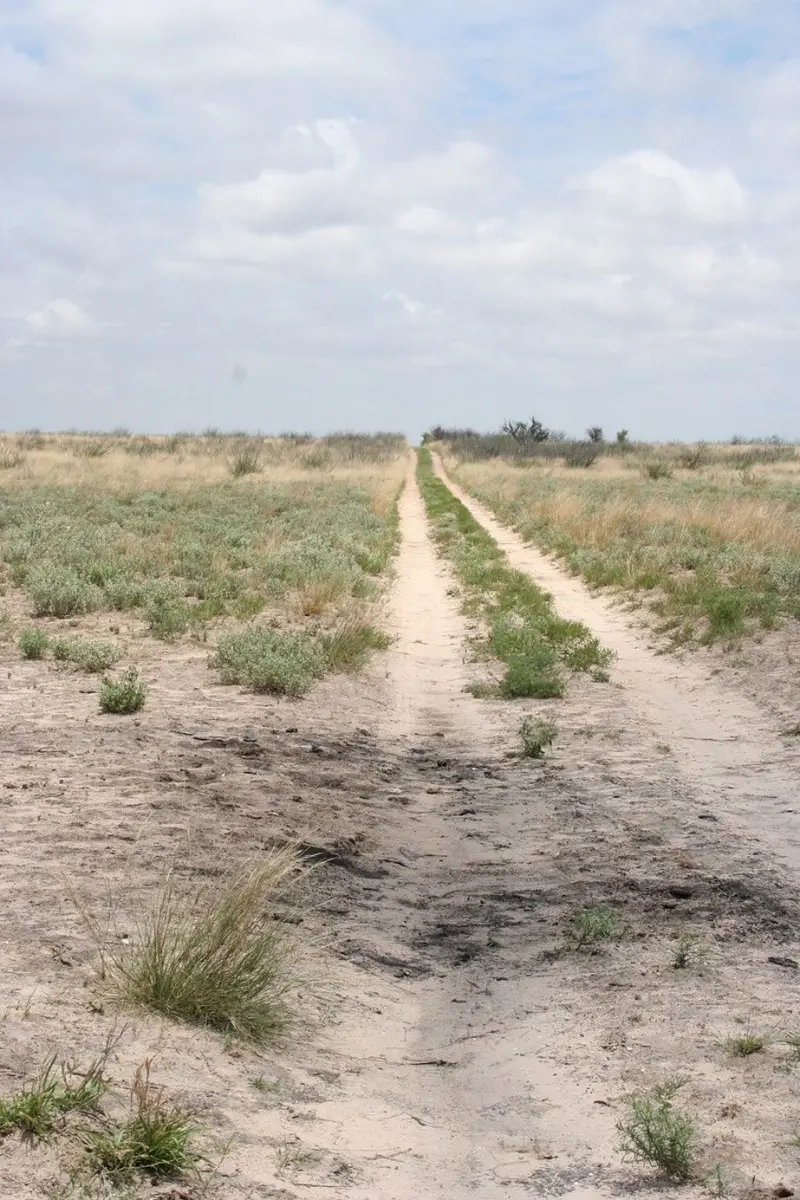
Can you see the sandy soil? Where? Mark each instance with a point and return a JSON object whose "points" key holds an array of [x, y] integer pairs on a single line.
{"points": [[460, 1048]]}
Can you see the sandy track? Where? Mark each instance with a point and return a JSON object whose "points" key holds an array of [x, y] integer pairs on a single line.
{"points": [[727, 747]]}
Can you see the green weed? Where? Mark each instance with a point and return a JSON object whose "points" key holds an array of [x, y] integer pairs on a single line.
{"points": [[33, 643], [742, 1045], [59, 1089], [124, 695], [536, 736], [656, 1133], [595, 923], [90, 656]]}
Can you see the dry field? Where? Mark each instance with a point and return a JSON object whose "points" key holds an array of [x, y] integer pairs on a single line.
{"points": [[398, 879]]}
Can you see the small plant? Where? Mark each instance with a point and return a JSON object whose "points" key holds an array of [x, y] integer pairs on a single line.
{"points": [[793, 1041], [124, 695], [657, 469], [167, 617], [686, 953], [35, 1112], [89, 656], [155, 1141], [33, 643], [718, 1180], [216, 958], [10, 457], [536, 736], [595, 923], [245, 460], [655, 1132], [742, 1045], [349, 647], [293, 1156]]}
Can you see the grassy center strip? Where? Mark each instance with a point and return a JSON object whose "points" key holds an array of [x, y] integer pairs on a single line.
{"points": [[524, 631]]}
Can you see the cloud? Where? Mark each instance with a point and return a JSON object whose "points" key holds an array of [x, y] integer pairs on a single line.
{"points": [[61, 318], [450, 206]]}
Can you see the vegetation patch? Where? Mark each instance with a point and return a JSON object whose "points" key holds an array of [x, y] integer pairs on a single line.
{"points": [[524, 630], [536, 737], [656, 1133], [215, 958], [124, 695], [33, 643]]}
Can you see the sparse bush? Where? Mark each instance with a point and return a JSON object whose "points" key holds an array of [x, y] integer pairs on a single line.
{"points": [[245, 460], [92, 449], [595, 923], [57, 591], [595, 435], [657, 469], [268, 661], [692, 458], [216, 957], [124, 695], [536, 736], [90, 656], [687, 951], [656, 1133], [581, 454], [155, 1141], [33, 643], [167, 616]]}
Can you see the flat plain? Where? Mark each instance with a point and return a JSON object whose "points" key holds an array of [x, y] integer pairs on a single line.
{"points": [[543, 856]]}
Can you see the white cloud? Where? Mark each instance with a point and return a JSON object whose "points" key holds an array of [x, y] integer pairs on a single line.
{"points": [[61, 318], [649, 183]]}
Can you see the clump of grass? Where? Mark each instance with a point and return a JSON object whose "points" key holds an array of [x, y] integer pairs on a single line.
{"points": [[656, 1133], [245, 460], [595, 923], [124, 695], [57, 591], [349, 646], [216, 958], [536, 736], [33, 643], [155, 1141], [95, 448], [742, 1045], [58, 1089], [90, 656], [266, 660]]}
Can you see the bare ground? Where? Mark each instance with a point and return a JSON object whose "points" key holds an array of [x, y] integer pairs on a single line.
{"points": [[460, 1048]]}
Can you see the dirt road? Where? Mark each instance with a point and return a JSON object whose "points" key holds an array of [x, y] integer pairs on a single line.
{"points": [[463, 1046]]}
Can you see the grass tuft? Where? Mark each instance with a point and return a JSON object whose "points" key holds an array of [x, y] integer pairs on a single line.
{"points": [[245, 460], [595, 923], [155, 1140], [33, 643], [656, 1133], [124, 695], [216, 958], [59, 1089], [742, 1045]]}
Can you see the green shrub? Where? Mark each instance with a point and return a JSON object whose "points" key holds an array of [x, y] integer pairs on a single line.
{"points": [[33, 643], [167, 618], [123, 695], [216, 957], [60, 592], [90, 656], [536, 736], [656, 1133], [265, 660], [595, 923]]}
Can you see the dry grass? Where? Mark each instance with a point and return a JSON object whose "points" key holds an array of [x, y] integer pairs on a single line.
{"points": [[717, 548]]}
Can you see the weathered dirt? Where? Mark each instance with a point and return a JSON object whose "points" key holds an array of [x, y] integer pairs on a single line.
{"points": [[461, 1046]]}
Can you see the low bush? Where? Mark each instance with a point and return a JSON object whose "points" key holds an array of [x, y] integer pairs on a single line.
{"points": [[245, 460], [33, 643], [124, 695], [536, 736], [90, 656], [57, 591], [266, 660]]}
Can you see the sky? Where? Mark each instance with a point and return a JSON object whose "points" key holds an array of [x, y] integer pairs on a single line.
{"points": [[362, 214]]}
